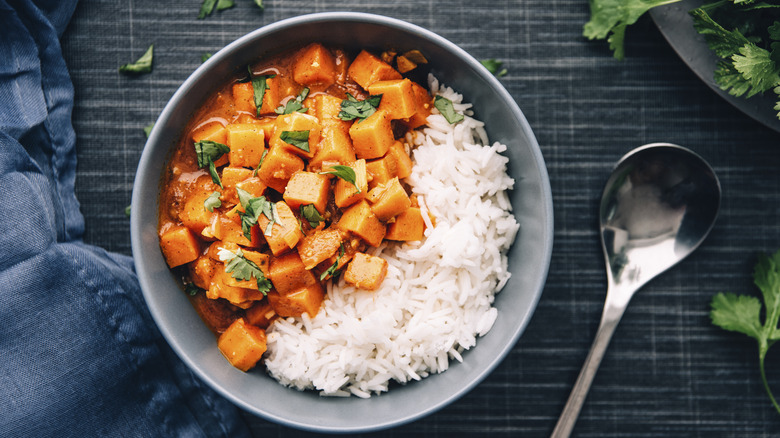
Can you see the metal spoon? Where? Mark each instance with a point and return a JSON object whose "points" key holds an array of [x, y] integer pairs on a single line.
{"points": [[658, 205]]}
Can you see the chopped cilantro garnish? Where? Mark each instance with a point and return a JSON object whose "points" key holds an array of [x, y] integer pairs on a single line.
{"points": [[352, 108], [191, 289], [253, 208], [259, 85], [212, 202], [143, 65], [344, 172], [299, 139], [208, 152], [295, 104], [148, 129], [205, 57], [127, 210], [494, 67], [333, 270], [446, 109], [310, 213], [241, 268]]}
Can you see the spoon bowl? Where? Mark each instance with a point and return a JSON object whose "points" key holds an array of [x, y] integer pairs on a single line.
{"points": [[658, 206]]}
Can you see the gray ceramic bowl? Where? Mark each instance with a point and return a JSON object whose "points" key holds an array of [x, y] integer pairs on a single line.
{"points": [[529, 258]]}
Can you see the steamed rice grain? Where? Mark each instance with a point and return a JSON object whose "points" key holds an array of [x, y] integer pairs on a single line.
{"points": [[438, 294]]}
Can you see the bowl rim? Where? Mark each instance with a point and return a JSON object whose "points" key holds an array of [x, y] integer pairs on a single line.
{"points": [[536, 288]]}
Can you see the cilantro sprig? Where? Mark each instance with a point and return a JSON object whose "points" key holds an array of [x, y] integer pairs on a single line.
{"points": [[742, 313], [344, 172], [241, 268], [294, 105], [208, 152], [745, 36], [352, 108], [253, 208]]}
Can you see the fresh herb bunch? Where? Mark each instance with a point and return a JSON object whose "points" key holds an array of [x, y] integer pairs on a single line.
{"points": [[745, 34], [742, 313]]}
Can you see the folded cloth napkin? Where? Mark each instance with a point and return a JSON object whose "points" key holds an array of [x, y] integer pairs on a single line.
{"points": [[79, 354]]}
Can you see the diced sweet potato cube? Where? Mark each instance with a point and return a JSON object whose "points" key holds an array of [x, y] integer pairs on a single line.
{"points": [[253, 186], [381, 171], [405, 64], [327, 109], [366, 271], [261, 314], [318, 246], [367, 69], [202, 270], [398, 99], [220, 288], [285, 235], [244, 97], [305, 300], [423, 103], [372, 137], [277, 168], [242, 344], [402, 160], [230, 177], [408, 226], [193, 214], [340, 259], [179, 246], [360, 220], [306, 188], [246, 142], [297, 122], [314, 64], [288, 273], [388, 200], [345, 193], [335, 146], [228, 228]]}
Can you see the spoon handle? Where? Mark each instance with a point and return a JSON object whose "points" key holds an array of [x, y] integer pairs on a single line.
{"points": [[572, 409]]}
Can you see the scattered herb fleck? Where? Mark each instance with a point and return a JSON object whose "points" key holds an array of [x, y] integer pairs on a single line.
{"points": [[143, 65], [333, 271], [191, 289], [225, 4], [148, 129], [259, 4], [127, 210], [205, 57], [494, 67], [446, 109]]}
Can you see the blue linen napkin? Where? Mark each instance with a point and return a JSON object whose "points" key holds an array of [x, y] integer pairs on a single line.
{"points": [[79, 354]]}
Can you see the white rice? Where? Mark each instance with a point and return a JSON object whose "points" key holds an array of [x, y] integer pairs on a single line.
{"points": [[438, 293]]}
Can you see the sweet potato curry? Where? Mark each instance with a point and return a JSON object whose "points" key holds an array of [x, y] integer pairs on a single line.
{"points": [[283, 180]]}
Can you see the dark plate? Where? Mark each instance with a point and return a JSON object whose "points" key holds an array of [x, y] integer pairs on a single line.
{"points": [[677, 27]]}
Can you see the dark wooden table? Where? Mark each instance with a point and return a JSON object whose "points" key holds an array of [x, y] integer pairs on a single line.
{"points": [[668, 372]]}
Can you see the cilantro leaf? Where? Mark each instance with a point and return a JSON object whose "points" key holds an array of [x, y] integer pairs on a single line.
{"points": [[128, 210], [262, 158], [344, 172], [333, 270], [446, 109], [212, 202], [241, 268], [494, 67], [253, 208], [259, 85], [225, 4], [259, 4], [208, 152], [206, 8], [352, 108], [299, 139], [143, 65], [758, 69], [310, 213], [191, 289], [205, 57], [611, 17], [741, 313], [294, 105], [148, 129], [721, 41]]}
